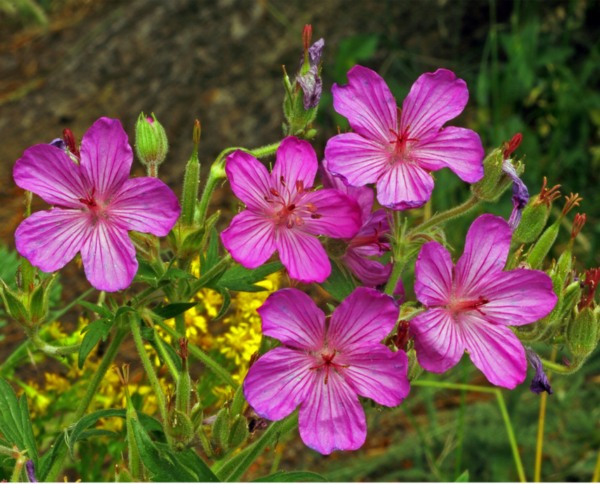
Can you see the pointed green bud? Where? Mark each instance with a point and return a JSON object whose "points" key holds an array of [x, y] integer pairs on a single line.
{"points": [[535, 215], [184, 384], [179, 427], [122, 475], [487, 188], [414, 369], [197, 415], [239, 432], [582, 333], [237, 406], [14, 307], [37, 307], [191, 182], [220, 431], [151, 144]]}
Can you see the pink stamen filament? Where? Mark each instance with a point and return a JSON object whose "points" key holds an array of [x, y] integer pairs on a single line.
{"points": [[461, 306], [378, 238], [327, 363], [292, 209]]}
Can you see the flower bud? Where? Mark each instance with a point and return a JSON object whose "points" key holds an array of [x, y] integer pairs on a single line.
{"points": [[179, 427], [535, 215], [238, 432], [15, 307], [582, 333], [220, 432], [151, 143], [191, 182], [494, 181], [184, 385]]}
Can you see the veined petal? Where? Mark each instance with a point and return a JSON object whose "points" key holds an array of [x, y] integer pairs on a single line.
{"points": [[438, 340], [145, 205], [365, 317], [368, 104], [296, 161], [339, 214], [433, 273], [371, 272], [494, 349], [250, 239], [279, 381], [50, 239], [357, 160], [108, 257], [518, 297], [292, 317], [331, 418], [371, 239], [364, 196], [302, 255], [249, 180], [378, 373], [434, 99], [48, 172], [456, 148], [106, 157], [403, 186], [485, 254]]}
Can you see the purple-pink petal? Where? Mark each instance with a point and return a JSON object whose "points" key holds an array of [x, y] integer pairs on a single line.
{"points": [[404, 186], [365, 317], [145, 205], [375, 227], [358, 160], [368, 104], [339, 215], [485, 254], [438, 340], [302, 255], [378, 373], [249, 180], [292, 317], [495, 350], [296, 161], [106, 157], [518, 297], [50, 239], [49, 173], [108, 257], [434, 99], [459, 149], [279, 381], [364, 196], [250, 239], [433, 273], [371, 272], [331, 418]]}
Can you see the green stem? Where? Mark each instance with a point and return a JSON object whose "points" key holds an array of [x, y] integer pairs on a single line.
{"points": [[461, 424], [208, 275], [562, 369], [58, 314], [165, 356], [18, 467], [275, 430], [51, 350], [596, 475], [399, 261], [503, 411], [437, 219], [149, 367], [7, 451], [428, 453], [90, 393], [198, 353]]}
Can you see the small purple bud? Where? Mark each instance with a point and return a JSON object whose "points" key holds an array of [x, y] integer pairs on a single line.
{"points": [[59, 143], [150, 120], [312, 85], [31, 471], [540, 381], [520, 195]]}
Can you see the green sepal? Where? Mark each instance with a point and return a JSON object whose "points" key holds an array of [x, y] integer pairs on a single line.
{"points": [[238, 433], [179, 427], [486, 188], [15, 307], [543, 245], [220, 431], [582, 333], [191, 182], [533, 220]]}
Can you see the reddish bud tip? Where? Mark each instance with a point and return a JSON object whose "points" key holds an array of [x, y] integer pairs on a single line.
{"points": [[592, 278], [183, 348], [578, 225], [70, 140], [150, 120], [306, 35], [197, 132], [548, 195], [403, 335], [571, 202], [512, 145]]}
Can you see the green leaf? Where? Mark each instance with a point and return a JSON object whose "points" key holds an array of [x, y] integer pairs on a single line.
{"points": [[94, 332], [193, 462], [239, 278], [339, 283], [11, 421], [162, 464], [96, 433], [146, 273], [464, 477], [174, 273], [171, 310], [80, 431], [211, 257], [124, 309], [297, 476], [48, 459], [101, 310], [28, 437], [226, 301]]}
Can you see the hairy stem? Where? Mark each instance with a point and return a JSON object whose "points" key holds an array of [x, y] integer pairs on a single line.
{"points": [[90, 393], [540, 435], [399, 261], [439, 218], [203, 357], [148, 367], [51, 350]]}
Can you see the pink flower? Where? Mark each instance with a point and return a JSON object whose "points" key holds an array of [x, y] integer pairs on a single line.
{"points": [[370, 240], [471, 304], [398, 156], [284, 213], [95, 204], [324, 367]]}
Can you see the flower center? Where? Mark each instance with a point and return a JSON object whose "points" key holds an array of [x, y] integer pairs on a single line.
{"points": [[290, 207], [401, 143], [92, 205], [327, 359], [462, 306], [377, 238]]}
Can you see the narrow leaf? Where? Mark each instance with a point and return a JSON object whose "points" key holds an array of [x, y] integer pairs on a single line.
{"points": [[101, 310], [339, 283], [239, 278], [171, 310], [296, 476], [11, 423], [94, 333], [464, 477], [28, 437]]}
